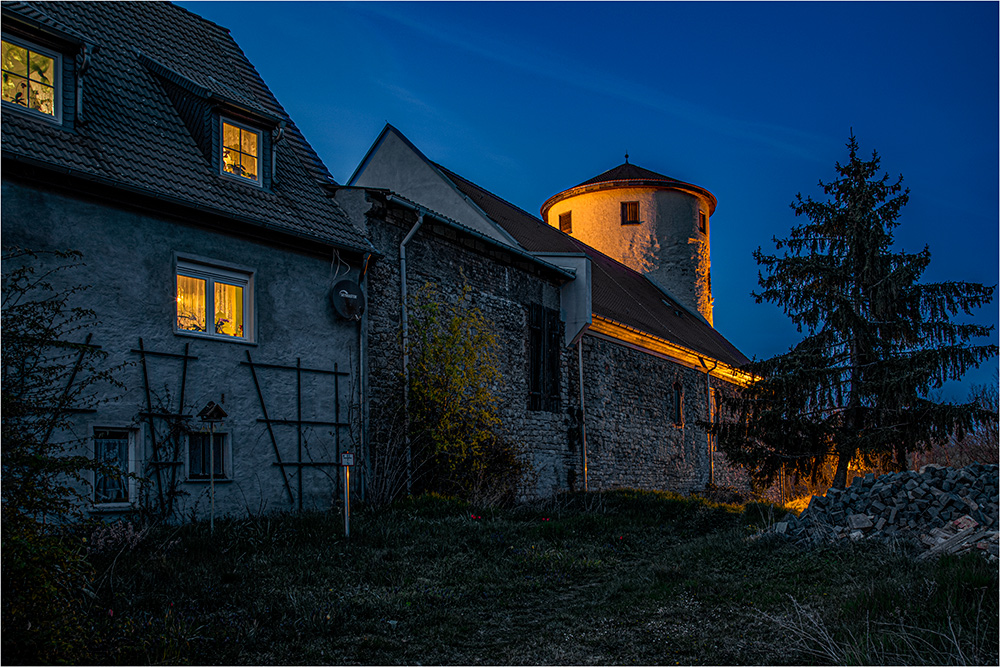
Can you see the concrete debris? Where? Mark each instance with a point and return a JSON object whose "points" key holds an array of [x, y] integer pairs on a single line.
{"points": [[942, 510]]}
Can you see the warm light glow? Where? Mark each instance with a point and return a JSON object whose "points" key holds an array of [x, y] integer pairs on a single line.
{"points": [[652, 344], [28, 79], [239, 151], [190, 303], [229, 309], [193, 306]]}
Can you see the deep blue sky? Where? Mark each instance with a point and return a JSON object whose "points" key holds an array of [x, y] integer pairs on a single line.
{"points": [[753, 101]]}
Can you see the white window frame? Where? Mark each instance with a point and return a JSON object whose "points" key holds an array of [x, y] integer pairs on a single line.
{"points": [[133, 466], [57, 92], [227, 458], [259, 181], [210, 271]]}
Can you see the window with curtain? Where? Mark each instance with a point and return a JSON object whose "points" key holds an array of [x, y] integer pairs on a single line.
{"points": [[213, 301]]}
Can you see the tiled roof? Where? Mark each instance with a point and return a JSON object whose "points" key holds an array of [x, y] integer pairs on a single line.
{"points": [[135, 138], [629, 172], [628, 175], [619, 293]]}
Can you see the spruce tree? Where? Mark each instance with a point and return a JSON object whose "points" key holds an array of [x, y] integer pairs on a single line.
{"points": [[877, 342]]}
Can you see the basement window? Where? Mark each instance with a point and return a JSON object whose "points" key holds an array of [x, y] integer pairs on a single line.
{"points": [[113, 463], [630, 213], [31, 77], [566, 222], [241, 151], [208, 456], [213, 301]]}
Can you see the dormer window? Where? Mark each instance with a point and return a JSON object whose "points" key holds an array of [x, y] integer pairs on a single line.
{"points": [[241, 151], [31, 79]]}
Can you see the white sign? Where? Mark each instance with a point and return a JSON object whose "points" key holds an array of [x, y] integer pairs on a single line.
{"points": [[347, 459]]}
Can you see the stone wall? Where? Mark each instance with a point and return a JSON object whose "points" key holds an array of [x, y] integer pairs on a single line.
{"points": [[129, 255], [632, 440], [503, 288]]}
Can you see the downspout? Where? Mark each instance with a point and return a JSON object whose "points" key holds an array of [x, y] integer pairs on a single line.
{"points": [[362, 388], [708, 414], [583, 412], [404, 320]]}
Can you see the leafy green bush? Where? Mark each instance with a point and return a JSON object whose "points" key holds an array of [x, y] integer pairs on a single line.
{"points": [[457, 442]]}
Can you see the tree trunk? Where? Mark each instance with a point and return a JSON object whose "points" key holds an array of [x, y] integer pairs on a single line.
{"points": [[840, 477]]}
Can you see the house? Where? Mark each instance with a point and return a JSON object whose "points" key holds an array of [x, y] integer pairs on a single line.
{"points": [[222, 271], [609, 377]]}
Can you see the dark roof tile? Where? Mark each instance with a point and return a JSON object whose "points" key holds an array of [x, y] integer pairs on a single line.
{"points": [[134, 137]]}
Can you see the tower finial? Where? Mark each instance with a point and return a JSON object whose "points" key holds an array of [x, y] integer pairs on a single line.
{"points": [[626, 157]]}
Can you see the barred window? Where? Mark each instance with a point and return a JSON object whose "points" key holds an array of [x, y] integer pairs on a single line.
{"points": [[544, 345]]}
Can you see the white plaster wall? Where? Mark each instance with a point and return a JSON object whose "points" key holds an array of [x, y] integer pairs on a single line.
{"points": [[667, 245], [396, 166]]}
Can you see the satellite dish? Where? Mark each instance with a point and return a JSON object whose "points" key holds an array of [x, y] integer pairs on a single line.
{"points": [[348, 299]]}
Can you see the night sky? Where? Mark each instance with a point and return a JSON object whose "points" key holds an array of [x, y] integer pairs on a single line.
{"points": [[752, 101]]}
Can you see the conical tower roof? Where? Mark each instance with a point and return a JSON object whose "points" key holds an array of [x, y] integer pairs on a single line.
{"points": [[628, 175]]}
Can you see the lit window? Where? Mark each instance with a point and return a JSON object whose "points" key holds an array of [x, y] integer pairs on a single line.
{"points": [[208, 456], [630, 213], [566, 222], [213, 301], [702, 222], [30, 79], [112, 465], [240, 151]]}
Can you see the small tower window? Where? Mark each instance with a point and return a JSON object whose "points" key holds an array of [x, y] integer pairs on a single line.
{"points": [[566, 222], [702, 222], [630, 213]]}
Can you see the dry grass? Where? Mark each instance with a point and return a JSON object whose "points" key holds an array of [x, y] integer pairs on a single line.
{"points": [[612, 578]]}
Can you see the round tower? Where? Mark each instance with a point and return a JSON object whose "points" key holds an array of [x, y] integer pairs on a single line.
{"points": [[652, 223]]}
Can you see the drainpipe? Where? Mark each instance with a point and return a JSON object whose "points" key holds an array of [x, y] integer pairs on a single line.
{"points": [[708, 413], [406, 352], [583, 412], [362, 388]]}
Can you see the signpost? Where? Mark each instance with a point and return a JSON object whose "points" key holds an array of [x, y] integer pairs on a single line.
{"points": [[346, 461]]}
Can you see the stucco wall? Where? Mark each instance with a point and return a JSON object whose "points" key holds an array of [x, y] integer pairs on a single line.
{"points": [[668, 244], [503, 292], [129, 258]]}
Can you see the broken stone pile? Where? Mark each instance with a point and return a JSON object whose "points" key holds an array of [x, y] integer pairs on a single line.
{"points": [[943, 510]]}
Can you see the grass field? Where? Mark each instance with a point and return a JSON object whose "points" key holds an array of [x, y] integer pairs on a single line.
{"points": [[612, 578]]}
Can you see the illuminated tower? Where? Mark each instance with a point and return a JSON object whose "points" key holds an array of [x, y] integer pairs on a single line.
{"points": [[652, 223]]}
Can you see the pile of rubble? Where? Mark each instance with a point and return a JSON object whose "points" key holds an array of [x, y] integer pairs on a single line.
{"points": [[944, 510]]}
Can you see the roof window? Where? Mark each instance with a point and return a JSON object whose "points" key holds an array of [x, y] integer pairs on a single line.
{"points": [[241, 151], [31, 79]]}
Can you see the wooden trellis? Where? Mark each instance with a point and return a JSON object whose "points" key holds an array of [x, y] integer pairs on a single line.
{"points": [[159, 461], [298, 422]]}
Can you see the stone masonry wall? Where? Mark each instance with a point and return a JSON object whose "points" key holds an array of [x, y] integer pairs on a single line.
{"points": [[503, 289], [632, 441]]}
